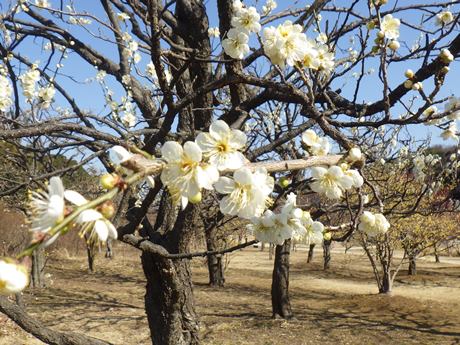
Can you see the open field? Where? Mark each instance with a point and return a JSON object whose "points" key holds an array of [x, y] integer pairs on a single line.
{"points": [[339, 306]]}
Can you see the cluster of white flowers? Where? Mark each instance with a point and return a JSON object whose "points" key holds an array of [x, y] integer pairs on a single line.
{"points": [[47, 209], [5, 90], [246, 194], [244, 22], [185, 174], [269, 6], [444, 18], [291, 222], [13, 277], [79, 20], [287, 44], [373, 224], [422, 163], [28, 81], [317, 146], [46, 95], [332, 182], [131, 47], [129, 115]]}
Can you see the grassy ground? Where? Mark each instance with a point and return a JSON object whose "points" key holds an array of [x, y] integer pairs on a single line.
{"points": [[340, 306]]}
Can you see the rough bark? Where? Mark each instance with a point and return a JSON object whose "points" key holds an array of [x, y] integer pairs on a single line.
{"points": [[310, 252], [412, 270], [169, 301], [109, 249], [281, 305], [327, 254], [215, 268], [386, 283], [38, 266], [45, 334]]}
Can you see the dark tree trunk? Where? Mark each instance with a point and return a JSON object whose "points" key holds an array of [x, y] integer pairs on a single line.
{"points": [[436, 255], [215, 268], [281, 306], [271, 248], [412, 271], [310, 253], [327, 253], [90, 254], [38, 266], [109, 249], [385, 285], [169, 301]]}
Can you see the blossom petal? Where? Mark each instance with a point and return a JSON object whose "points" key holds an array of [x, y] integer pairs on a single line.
{"points": [[118, 155], [193, 151], [89, 216], [55, 186], [224, 185], [243, 176], [75, 197], [219, 130], [101, 229], [171, 151]]}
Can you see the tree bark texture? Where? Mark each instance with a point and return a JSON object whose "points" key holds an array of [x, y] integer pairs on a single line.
{"points": [[310, 252], [281, 305], [327, 254]]}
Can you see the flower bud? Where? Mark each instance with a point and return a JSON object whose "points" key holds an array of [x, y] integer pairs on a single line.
{"points": [[284, 182], [196, 198], [327, 236], [445, 70], [381, 34], [355, 154], [394, 45], [109, 181], [417, 86], [408, 84], [409, 74], [107, 209]]}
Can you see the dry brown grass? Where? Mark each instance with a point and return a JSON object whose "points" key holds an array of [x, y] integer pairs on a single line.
{"points": [[339, 306]]}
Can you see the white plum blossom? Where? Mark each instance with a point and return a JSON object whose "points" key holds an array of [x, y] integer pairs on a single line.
{"points": [[5, 93], [13, 277], [185, 174], [358, 180], [221, 146], [444, 18], [318, 146], [236, 44], [121, 16], [46, 209], [91, 221], [390, 27], [28, 81], [373, 224], [246, 194], [285, 43], [453, 105], [266, 228], [214, 32], [151, 71], [314, 229], [247, 20], [330, 182], [450, 132], [325, 59], [46, 95], [42, 3], [269, 6], [129, 119]]}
